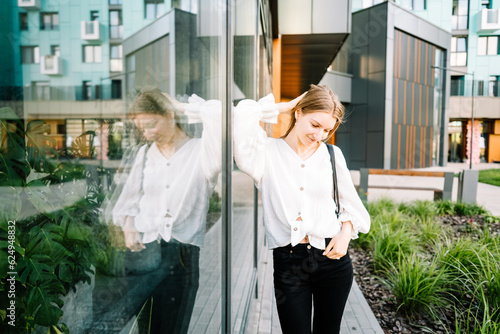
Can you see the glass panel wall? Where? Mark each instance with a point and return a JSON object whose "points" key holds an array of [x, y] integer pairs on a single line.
{"points": [[114, 216], [243, 274]]}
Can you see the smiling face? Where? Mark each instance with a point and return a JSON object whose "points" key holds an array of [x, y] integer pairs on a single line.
{"points": [[155, 127], [313, 127], [316, 116]]}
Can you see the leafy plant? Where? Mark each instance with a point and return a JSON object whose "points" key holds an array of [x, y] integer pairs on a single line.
{"points": [[55, 207], [419, 285], [432, 271], [468, 209]]}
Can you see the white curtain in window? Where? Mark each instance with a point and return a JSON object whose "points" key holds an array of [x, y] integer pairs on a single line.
{"points": [[481, 46], [97, 54], [492, 45]]}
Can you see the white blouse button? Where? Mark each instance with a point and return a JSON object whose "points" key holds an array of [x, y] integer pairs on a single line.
{"points": [[299, 212], [168, 225], [301, 188], [167, 186], [295, 229], [168, 164], [302, 165]]}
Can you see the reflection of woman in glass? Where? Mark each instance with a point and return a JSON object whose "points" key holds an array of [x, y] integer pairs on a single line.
{"points": [[165, 198], [294, 174]]}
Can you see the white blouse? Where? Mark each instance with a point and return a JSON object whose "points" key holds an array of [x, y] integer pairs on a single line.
{"points": [[292, 188], [173, 202]]}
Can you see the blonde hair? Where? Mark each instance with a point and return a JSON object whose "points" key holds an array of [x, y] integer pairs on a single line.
{"points": [[319, 99], [150, 100]]}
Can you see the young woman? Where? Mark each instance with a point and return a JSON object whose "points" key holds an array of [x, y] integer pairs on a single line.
{"points": [[166, 196], [294, 175]]}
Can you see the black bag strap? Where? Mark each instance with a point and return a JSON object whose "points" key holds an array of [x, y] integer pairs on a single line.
{"points": [[335, 184]]}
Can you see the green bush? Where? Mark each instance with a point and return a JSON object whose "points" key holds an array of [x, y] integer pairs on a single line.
{"points": [[430, 270], [54, 246], [422, 210], [468, 209], [419, 285]]}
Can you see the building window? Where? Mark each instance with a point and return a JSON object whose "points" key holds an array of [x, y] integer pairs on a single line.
{"points": [[92, 54], [418, 5], [115, 24], [87, 90], [153, 8], [494, 86], [55, 51], [486, 4], [115, 2], [116, 89], [457, 85], [94, 15], [23, 21], [41, 90], [414, 4], [369, 3], [30, 55], [115, 55], [480, 88], [487, 46], [460, 15], [458, 51], [49, 21]]}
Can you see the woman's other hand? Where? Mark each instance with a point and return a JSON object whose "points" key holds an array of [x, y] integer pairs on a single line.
{"points": [[337, 247], [132, 236]]}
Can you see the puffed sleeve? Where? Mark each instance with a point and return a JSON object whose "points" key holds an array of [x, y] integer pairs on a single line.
{"points": [[250, 139], [210, 114], [128, 201], [351, 206]]}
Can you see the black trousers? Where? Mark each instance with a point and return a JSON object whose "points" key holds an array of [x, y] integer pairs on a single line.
{"points": [[303, 276], [173, 299]]}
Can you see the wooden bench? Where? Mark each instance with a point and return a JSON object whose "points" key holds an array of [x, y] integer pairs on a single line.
{"points": [[443, 193]]}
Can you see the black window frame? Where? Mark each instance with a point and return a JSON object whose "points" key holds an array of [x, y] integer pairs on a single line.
{"points": [[33, 54], [157, 4], [115, 30], [86, 90], [94, 15], [23, 21], [487, 48], [84, 60], [456, 13], [494, 86], [459, 52], [52, 26], [485, 4]]}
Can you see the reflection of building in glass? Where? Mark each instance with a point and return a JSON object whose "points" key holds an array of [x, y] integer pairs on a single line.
{"points": [[69, 70]]}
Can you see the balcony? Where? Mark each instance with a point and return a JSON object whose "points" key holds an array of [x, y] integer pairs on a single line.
{"points": [[51, 65], [90, 30], [488, 20], [29, 4]]}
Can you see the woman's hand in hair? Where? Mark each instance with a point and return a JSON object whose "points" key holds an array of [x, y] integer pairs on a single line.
{"points": [[286, 107], [132, 236], [179, 106], [337, 247]]}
